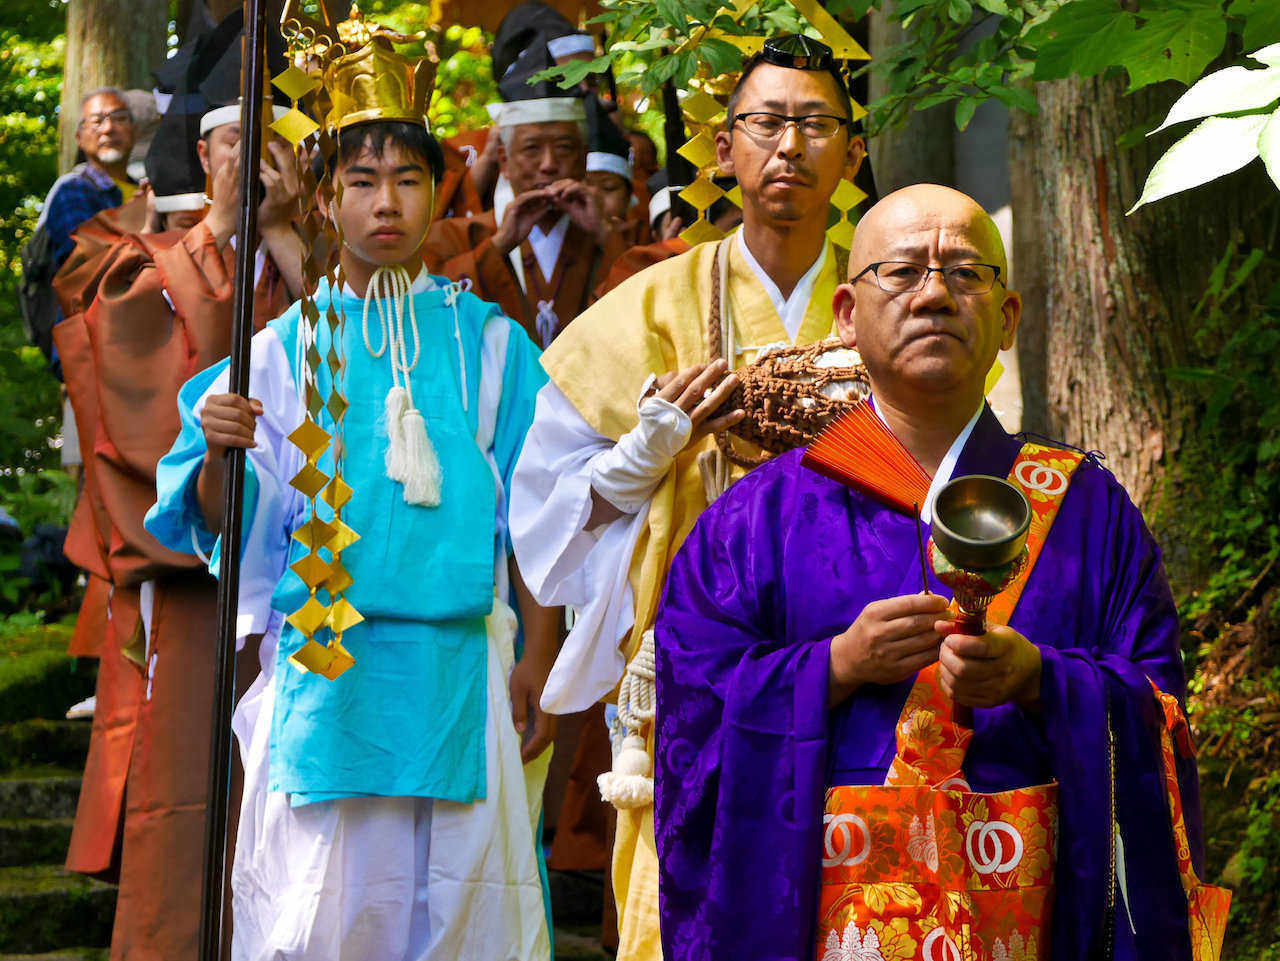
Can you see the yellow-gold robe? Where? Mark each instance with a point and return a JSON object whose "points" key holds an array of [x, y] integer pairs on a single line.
{"points": [[657, 321]]}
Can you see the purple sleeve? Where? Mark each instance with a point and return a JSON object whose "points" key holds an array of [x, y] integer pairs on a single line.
{"points": [[740, 746], [1085, 690]]}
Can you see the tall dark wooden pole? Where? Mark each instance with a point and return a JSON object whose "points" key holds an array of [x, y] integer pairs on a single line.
{"points": [[253, 65]]}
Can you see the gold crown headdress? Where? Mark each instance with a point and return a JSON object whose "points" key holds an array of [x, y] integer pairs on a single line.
{"points": [[363, 75]]}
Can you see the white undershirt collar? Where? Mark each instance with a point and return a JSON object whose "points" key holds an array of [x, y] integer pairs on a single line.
{"points": [[948, 465], [546, 246], [791, 309], [422, 282]]}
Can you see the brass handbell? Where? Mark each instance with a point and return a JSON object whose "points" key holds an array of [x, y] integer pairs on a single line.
{"points": [[979, 543]]}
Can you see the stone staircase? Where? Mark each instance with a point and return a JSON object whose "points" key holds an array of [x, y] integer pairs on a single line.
{"points": [[46, 913], [49, 914]]}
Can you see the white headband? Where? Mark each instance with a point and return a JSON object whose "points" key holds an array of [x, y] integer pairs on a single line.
{"points": [[611, 162], [660, 202], [570, 44], [220, 116], [544, 110], [175, 202]]}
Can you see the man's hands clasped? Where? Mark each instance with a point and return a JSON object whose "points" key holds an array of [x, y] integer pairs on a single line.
{"points": [[892, 639]]}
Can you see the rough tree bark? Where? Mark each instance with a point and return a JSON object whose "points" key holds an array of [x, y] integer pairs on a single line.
{"points": [[1108, 299], [922, 148], [110, 43]]}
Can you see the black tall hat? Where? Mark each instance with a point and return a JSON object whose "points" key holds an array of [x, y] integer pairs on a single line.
{"points": [[169, 74], [217, 74], [173, 166], [540, 102], [798, 52], [607, 146], [526, 25]]}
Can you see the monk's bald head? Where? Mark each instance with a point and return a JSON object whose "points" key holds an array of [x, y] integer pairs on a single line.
{"points": [[921, 209]]}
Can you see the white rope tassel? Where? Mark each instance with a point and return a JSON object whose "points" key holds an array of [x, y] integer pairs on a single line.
{"points": [[630, 784], [411, 459]]}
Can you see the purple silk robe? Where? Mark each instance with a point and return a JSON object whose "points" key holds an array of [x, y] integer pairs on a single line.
{"points": [[745, 745]]}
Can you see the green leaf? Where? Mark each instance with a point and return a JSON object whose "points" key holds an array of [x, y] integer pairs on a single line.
{"points": [[964, 111], [671, 12], [1082, 37], [1132, 137], [1216, 147], [720, 56], [998, 7], [1262, 21], [1017, 98], [1269, 147], [961, 11], [1225, 91], [1174, 45]]}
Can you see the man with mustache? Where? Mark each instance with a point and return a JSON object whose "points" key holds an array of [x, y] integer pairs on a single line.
{"points": [[539, 254], [793, 643], [609, 481]]}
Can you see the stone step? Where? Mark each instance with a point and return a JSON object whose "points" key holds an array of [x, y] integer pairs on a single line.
{"points": [[577, 897], [47, 792], [24, 743], [576, 943], [34, 841], [49, 909]]}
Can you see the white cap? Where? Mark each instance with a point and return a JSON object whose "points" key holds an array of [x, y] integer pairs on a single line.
{"points": [[174, 202], [220, 116], [570, 44], [611, 162], [660, 202], [543, 110]]}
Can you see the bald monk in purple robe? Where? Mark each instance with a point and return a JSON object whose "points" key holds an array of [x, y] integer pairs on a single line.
{"points": [[792, 628]]}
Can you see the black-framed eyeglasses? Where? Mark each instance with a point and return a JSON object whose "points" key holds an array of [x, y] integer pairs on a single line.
{"points": [[770, 126], [901, 277]]}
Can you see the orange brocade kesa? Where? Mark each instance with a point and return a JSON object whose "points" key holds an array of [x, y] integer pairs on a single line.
{"points": [[925, 868]]}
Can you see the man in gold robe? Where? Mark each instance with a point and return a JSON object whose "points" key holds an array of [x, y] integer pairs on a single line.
{"points": [[609, 481]]}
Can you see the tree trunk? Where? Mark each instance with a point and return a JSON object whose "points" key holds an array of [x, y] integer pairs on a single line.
{"points": [[110, 43], [1108, 299], [922, 148]]}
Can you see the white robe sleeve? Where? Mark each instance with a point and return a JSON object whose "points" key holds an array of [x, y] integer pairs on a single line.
{"points": [[564, 564]]}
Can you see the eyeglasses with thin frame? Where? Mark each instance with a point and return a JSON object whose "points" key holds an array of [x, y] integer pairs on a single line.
{"points": [[770, 126], [98, 121], [901, 277]]}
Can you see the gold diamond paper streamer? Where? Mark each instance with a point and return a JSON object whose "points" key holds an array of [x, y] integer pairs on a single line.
{"points": [[841, 234], [295, 84], [702, 107], [312, 656], [309, 480], [343, 537], [343, 617], [309, 618], [702, 193], [337, 493], [314, 534], [339, 580], [295, 127], [847, 195], [311, 439], [735, 196], [313, 569], [700, 231], [699, 150]]}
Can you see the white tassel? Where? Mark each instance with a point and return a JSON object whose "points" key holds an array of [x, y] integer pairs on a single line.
{"points": [[397, 459], [630, 784], [422, 466]]}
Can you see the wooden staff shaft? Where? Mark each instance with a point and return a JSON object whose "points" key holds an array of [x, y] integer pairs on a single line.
{"points": [[253, 66]]}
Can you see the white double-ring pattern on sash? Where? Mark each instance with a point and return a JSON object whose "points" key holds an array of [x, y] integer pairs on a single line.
{"points": [[987, 856], [1037, 477], [841, 822], [930, 950]]}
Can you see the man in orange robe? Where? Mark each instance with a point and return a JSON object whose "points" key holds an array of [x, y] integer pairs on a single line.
{"points": [[149, 312]]}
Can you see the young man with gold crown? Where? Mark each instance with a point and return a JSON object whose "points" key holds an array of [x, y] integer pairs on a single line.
{"points": [[612, 474], [389, 807]]}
